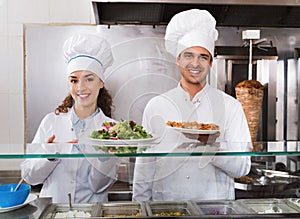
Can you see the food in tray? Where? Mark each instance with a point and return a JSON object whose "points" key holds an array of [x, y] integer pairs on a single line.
{"points": [[123, 215], [245, 179], [217, 212], [122, 130], [170, 213], [273, 210], [193, 125], [72, 214]]}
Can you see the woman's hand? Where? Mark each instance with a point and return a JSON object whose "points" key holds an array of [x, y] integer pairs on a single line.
{"points": [[51, 140]]}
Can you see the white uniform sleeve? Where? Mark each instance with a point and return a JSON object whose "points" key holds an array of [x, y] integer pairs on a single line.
{"points": [[39, 169], [143, 178], [102, 174], [237, 138], [144, 169]]}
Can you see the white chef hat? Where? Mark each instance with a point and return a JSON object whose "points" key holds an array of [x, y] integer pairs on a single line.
{"points": [[191, 28], [87, 52]]}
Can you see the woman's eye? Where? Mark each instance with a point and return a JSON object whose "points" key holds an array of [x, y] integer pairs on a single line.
{"points": [[73, 81], [90, 79]]}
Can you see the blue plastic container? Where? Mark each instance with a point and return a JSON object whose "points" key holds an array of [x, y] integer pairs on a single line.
{"points": [[9, 198]]}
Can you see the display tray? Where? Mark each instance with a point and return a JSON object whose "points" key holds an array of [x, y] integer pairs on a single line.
{"points": [[171, 209], [266, 178], [295, 201], [81, 210], [269, 206], [122, 209], [220, 208]]}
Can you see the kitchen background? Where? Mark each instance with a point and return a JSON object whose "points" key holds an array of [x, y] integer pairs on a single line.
{"points": [[16, 15], [13, 15]]}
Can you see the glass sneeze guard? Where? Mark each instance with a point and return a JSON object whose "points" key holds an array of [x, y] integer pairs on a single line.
{"points": [[59, 150]]}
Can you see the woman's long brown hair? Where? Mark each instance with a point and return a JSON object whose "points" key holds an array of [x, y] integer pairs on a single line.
{"points": [[104, 102]]}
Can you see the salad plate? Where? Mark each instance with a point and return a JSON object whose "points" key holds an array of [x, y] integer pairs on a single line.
{"points": [[126, 142], [194, 131], [29, 199]]}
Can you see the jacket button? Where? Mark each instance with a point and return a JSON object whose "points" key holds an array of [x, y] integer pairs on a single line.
{"points": [[72, 129], [187, 177]]}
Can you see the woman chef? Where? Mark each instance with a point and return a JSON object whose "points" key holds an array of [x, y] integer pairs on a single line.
{"points": [[190, 37], [84, 110]]}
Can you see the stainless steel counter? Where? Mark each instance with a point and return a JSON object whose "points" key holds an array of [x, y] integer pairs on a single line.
{"points": [[42, 208]]}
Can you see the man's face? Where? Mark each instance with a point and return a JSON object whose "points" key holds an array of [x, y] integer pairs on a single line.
{"points": [[194, 64]]}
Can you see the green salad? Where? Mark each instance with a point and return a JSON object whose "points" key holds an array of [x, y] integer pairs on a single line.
{"points": [[122, 130], [121, 150]]}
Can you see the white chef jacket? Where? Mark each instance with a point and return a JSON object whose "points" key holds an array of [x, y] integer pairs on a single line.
{"points": [[87, 179], [192, 178]]}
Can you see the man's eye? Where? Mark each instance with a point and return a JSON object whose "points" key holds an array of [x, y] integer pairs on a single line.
{"points": [[90, 79], [188, 55], [203, 58]]}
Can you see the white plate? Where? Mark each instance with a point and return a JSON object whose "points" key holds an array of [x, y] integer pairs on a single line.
{"points": [[135, 142], [29, 199], [194, 131]]}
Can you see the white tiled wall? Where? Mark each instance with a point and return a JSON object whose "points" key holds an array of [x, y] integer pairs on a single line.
{"points": [[13, 15]]}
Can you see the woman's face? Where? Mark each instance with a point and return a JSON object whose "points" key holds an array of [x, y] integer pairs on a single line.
{"points": [[84, 88], [194, 64]]}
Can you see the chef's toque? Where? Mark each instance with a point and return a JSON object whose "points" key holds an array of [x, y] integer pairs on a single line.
{"points": [[87, 52], [191, 28]]}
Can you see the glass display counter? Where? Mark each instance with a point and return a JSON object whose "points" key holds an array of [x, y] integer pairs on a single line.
{"points": [[274, 178]]}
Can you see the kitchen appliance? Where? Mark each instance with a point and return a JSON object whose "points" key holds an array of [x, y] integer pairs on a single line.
{"points": [[232, 68]]}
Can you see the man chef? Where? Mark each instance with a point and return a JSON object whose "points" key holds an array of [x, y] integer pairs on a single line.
{"points": [[190, 37]]}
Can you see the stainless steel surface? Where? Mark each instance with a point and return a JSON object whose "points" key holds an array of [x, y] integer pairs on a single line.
{"points": [[227, 13], [274, 173], [292, 101], [298, 93], [241, 2], [269, 206], [295, 202], [9, 176], [122, 209], [271, 102], [280, 103], [52, 210], [184, 208], [273, 183], [220, 208]]}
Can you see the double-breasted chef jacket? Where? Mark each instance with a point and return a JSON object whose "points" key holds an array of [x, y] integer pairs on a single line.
{"points": [[190, 177], [86, 179]]}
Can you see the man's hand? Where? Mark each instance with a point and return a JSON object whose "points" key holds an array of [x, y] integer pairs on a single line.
{"points": [[51, 139], [204, 138]]}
